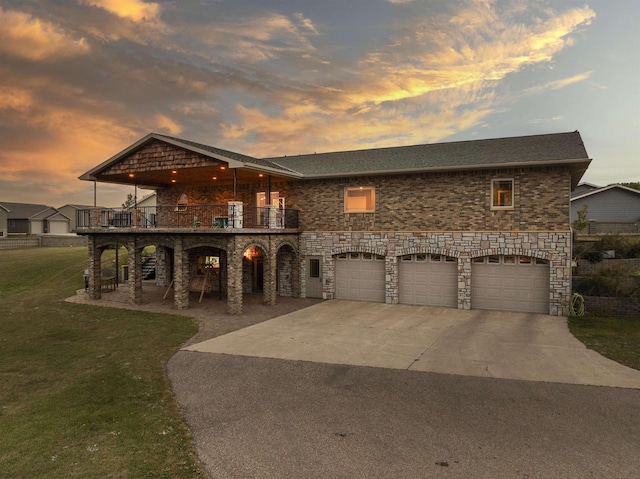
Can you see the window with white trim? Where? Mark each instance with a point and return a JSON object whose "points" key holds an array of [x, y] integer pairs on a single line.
{"points": [[359, 200], [502, 193]]}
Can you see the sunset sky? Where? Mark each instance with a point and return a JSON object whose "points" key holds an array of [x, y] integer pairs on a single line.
{"points": [[80, 80]]}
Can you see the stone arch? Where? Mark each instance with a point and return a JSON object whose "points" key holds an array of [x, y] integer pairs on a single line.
{"points": [[380, 250], [426, 249], [546, 255], [287, 270]]}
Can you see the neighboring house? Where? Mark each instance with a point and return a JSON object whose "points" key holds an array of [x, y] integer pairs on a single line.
{"points": [[71, 212], [27, 218], [475, 224], [49, 221], [609, 204], [148, 200], [3, 221]]}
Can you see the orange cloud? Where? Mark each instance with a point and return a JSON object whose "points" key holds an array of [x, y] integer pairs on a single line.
{"points": [[134, 10], [28, 37], [425, 77], [15, 99]]}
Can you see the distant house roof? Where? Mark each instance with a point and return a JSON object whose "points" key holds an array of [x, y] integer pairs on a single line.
{"points": [[584, 188], [559, 148], [77, 207], [21, 211], [602, 190]]}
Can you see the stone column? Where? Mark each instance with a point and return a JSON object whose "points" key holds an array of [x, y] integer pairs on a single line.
{"points": [[135, 271], [464, 282], [234, 278], [392, 293], [270, 267], [180, 275], [95, 268], [161, 266], [296, 264]]}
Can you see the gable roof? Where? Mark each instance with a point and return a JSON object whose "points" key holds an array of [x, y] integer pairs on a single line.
{"points": [[233, 159], [559, 148], [21, 211], [604, 189]]}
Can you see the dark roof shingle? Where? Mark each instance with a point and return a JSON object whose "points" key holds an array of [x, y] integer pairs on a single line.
{"points": [[473, 154]]}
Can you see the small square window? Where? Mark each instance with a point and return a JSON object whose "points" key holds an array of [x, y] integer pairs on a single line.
{"points": [[367, 256], [478, 259], [525, 260], [502, 194], [379, 257], [359, 200], [509, 260], [421, 257], [450, 259], [342, 256], [541, 261], [354, 255], [407, 257], [436, 258], [494, 259]]}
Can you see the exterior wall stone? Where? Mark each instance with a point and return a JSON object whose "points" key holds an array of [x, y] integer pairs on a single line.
{"points": [[554, 247]]}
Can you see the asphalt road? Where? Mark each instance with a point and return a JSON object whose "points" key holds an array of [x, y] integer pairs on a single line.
{"points": [[272, 418]]}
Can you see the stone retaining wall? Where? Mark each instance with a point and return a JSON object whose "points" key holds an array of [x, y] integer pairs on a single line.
{"points": [[613, 307]]}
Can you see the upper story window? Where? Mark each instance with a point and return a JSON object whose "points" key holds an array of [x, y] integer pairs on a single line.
{"points": [[502, 194], [359, 200]]}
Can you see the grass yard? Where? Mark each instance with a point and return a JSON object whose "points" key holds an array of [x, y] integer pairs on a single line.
{"points": [[614, 338], [83, 391]]}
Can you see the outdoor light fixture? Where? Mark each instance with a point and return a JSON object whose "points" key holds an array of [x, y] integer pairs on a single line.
{"points": [[215, 178], [131, 175], [174, 172], [223, 167]]}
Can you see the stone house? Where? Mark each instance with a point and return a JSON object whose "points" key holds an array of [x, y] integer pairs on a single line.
{"points": [[474, 224]]}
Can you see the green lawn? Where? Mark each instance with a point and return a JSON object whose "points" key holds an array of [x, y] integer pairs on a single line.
{"points": [[614, 338], [82, 389]]}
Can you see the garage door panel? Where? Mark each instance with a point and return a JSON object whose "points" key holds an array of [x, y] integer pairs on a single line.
{"points": [[360, 277], [519, 286], [427, 282]]}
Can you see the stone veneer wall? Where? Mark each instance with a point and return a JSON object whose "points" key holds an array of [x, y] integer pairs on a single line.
{"points": [[552, 246]]}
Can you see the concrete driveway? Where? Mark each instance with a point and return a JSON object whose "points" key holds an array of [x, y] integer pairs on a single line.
{"points": [[524, 346]]}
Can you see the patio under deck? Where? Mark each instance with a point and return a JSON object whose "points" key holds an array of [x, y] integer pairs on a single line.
{"points": [[180, 245]]}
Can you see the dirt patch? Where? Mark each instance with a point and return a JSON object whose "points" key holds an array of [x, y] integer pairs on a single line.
{"points": [[211, 313]]}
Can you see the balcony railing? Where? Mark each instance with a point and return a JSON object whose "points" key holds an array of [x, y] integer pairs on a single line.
{"points": [[227, 216]]}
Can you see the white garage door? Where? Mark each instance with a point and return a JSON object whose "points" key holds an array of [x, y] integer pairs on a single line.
{"points": [[510, 283], [429, 279], [360, 276]]}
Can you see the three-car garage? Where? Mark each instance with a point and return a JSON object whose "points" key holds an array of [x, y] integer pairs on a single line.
{"points": [[498, 282]]}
